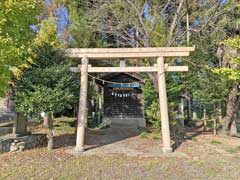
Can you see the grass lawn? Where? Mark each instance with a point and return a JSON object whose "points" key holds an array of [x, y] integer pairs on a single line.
{"points": [[206, 157]]}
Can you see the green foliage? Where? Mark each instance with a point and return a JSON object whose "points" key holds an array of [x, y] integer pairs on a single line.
{"points": [[144, 135], [233, 150], [149, 93], [42, 98], [155, 138], [233, 73], [157, 37], [199, 79], [153, 114], [64, 124], [48, 85], [194, 139], [215, 142], [82, 36], [16, 36], [48, 33], [151, 104], [233, 42], [156, 131]]}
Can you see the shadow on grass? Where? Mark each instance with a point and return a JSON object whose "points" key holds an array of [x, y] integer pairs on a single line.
{"points": [[65, 140], [190, 134]]}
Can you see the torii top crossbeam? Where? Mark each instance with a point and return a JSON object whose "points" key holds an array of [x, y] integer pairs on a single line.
{"points": [[113, 53]]}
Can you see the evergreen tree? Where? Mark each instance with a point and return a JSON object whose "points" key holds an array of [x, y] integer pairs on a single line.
{"points": [[48, 86]]}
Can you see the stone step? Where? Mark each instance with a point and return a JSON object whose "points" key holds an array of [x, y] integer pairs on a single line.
{"points": [[126, 121]]}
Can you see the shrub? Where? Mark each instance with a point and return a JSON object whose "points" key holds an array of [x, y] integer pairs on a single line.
{"points": [[216, 142], [144, 135]]}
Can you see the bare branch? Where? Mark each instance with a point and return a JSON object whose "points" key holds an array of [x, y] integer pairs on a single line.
{"points": [[140, 17], [173, 25]]}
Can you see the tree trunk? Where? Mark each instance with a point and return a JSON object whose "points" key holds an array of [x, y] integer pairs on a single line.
{"points": [[50, 133], [50, 139], [181, 112], [233, 129], [190, 108], [45, 121], [238, 111], [154, 79], [188, 97], [75, 107], [215, 126], [187, 24], [218, 116], [182, 107], [224, 53], [231, 103], [219, 111], [204, 118]]}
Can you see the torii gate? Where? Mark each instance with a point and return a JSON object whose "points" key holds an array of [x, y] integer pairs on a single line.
{"points": [[115, 53]]}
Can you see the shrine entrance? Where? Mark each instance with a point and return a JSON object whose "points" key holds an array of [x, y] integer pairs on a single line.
{"points": [[123, 103], [115, 53]]}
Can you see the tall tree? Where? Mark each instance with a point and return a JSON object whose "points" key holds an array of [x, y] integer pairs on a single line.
{"points": [[48, 86], [230, 56], [16, 35]]}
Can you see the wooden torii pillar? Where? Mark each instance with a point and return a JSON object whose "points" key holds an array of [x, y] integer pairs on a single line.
{"points": [[82, 112], [163, 106], [116, 53]]}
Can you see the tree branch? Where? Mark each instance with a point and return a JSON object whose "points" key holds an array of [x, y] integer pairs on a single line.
{"points": [[173, 25]]}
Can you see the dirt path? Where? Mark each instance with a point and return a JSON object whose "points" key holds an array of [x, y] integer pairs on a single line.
{"points": [[120, 154]]}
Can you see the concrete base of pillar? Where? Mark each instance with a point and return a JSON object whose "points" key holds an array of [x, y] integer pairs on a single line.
{"points": [[167, 150], [75, 151], [79, 149]]}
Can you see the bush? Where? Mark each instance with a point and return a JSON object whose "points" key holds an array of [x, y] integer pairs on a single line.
{"points": [[144, 135], [216, 142], [155, 138], [153, 114]]}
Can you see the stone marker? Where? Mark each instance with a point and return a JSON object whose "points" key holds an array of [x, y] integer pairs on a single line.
{"points": [[20, 125]]}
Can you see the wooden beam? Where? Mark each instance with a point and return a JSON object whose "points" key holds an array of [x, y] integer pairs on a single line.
{"points": [[123, 69], [176, 68], [111, 53], [131, 69], [131, 50], [99, 56]]}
